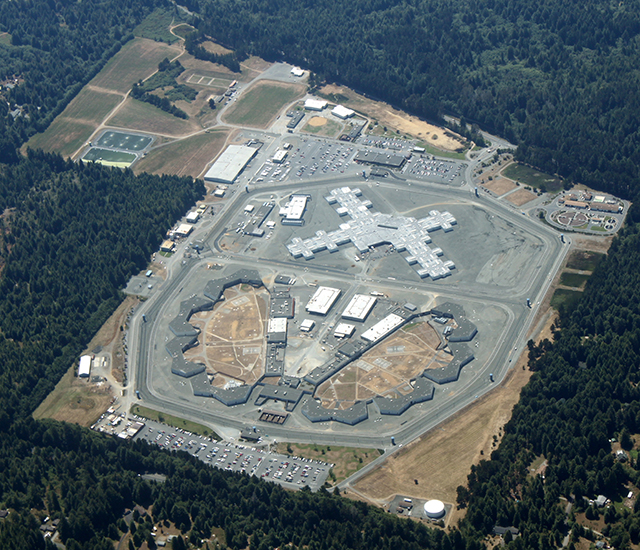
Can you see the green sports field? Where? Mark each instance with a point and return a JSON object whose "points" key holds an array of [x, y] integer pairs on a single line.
{"points": [[109, 158]]}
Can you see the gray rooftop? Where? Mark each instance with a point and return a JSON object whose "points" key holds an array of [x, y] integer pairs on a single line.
{"points": [[368, 229]]}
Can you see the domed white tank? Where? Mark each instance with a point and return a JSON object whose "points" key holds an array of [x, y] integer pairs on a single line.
{"points": [[434, 509]]}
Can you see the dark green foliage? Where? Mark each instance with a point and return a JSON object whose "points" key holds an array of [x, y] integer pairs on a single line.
{"points": [[558, 78], [228, 60]]}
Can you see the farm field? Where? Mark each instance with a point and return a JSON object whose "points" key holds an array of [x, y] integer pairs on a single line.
{"points": [[563, 297], [186, 157], [136, 115], [584, 260], [76, 123], [574, 280], [137, 60], [533, 178], [260, 104]]}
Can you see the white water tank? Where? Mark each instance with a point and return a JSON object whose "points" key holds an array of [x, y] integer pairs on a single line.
{"points": [[434, 509]]}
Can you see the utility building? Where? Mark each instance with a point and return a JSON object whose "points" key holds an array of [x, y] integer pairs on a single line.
{"points": [[84, 370], [323, 299], [230, 163], [359, 307]]}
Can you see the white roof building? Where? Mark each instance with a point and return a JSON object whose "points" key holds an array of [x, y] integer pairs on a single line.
{"points": [[315, 104], [230, 163], [294, 209], [307, 325], [277, 324], [193, 217], [342, 112], [279, 156], [382, 328], [359, 307], [85, 366], [184, 229], [344, 330], [297, 71], [322, 300]]}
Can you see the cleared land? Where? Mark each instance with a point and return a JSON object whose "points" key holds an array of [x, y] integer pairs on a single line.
{"points": [[346, 460], [387, 369], [259, 105], [136, 115], [76, 401], [500, 186], [137, 60], [156, 26], [174, 421], [563, 297], [520, 197], [573, 280], [584, 260], [234, 336], [534, 178], [388, 116], [77, 122], [186, 157]]}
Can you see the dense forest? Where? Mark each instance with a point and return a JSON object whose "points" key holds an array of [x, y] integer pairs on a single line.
{"points": [[556, 78]]}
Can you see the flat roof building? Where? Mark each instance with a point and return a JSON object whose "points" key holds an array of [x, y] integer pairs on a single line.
{"points": [[193, 217], [359, 307], [230, 163], [307, 325], [344, 330], [297, 71], [279, 156], [315, 104], [292, 212], [382, 328], [84, 368], [342, 112], [184, 229], [167, 246], [322, 300]]}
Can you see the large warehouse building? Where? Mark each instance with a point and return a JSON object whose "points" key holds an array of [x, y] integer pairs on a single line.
{"points": [[230, 163], [322, 300], [359, 307]]}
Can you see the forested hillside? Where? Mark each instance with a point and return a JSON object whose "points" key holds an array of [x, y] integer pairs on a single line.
{"points": [[558, 78]]}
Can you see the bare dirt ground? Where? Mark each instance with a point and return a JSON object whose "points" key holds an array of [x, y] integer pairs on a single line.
{"points": [[500, 186], [593, 243], [385, 370], [233, 336], [317, 121], [520, 197], [388, 116], [82, 401]]}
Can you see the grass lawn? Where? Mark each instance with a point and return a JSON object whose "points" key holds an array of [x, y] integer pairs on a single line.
{"points": [[567, 298], [262, 102], [584, 260], [174, 421], [137, 115], [529, 176], [429, 149], [574, 280], [183, 30], [346, 460], [329, 129]]}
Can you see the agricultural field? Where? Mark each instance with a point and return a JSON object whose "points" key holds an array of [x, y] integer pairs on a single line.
{"points": [[584, 260], [533, 178], [259, 105], [109, 157], [140, 116], [185, 157], [137, 60], [77, 122], [563, 297]]}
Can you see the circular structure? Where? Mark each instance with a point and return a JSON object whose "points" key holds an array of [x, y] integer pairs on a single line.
{"points": [[579, 219], [434, 509], [317, 121]]}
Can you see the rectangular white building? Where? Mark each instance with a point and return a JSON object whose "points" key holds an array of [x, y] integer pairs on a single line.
{"points": [[342, 112], [230, 163], [279, 156], [193, 217], [382, 328], [359, 307], [322, 300], [85, 366], [315, 104], [292, 212], [344, 330], [307, 325]]}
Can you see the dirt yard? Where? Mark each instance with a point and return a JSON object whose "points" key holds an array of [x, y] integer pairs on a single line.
{"points": [[500, 186], [317, 121], [388, 116], [233, 336], [520, 197], [386, 369]]}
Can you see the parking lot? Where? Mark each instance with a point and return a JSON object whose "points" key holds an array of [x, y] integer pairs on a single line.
{"points": [[432, 169], [291, 472]]}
